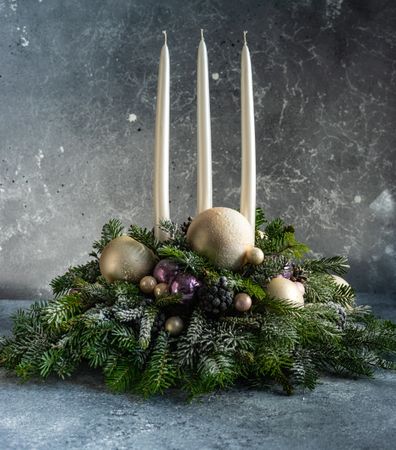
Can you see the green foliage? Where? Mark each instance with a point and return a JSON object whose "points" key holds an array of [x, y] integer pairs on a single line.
{"points": [[114, 326], [111, 230], [144, 236]]}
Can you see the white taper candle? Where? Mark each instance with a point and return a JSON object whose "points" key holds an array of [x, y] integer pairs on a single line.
{"points": [[248, 181], [161, 171], [204, 141]]}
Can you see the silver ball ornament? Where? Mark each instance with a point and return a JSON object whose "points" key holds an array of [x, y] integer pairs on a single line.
{"points": [[285, 289], [242, 302], [174, 325], [255, 256], [124, 258], [222, 235]]}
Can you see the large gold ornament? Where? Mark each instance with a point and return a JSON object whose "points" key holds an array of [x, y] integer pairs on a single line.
{"points": [[223, 235], [285, 289], [124, 258]]}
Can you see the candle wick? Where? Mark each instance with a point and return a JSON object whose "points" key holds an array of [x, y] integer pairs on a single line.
{"points": [[244, 37], [165, 37], [202, 34]]}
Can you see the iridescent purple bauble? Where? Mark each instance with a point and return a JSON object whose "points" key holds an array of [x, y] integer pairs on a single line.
{"points": [[186, 285], [165, 271]]}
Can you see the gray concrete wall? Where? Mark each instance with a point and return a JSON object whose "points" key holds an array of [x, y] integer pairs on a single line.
{"points": [[74, 74]]}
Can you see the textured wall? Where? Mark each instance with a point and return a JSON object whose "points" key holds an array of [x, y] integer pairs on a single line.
{"points": [[77, 96]]}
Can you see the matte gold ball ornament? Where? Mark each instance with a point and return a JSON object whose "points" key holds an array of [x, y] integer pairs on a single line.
{"points": [[161, 289], [124, 258], [242, 302], [147, 284], [174, 325], [255, 256], [285, 289], [222, 235]]}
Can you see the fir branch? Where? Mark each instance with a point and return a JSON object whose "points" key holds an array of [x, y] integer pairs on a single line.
{"points": [[144, 236], [111, 230], [168, 300], [161, 372], [336, 264], [121, 373], [88, 272], [189, 260], [146, 325]]}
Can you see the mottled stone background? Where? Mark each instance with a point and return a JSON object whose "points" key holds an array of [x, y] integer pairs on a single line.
{"points": [[77, 97]]}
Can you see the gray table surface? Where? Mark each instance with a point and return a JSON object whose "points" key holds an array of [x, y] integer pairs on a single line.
{"points": [[80, 414]]}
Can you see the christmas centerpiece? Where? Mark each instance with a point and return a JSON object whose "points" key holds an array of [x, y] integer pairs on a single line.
{"points": [[225, 297]]}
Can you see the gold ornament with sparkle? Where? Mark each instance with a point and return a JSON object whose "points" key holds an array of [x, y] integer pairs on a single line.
{"points": [[222, 235], [124, 258], [174, 325], [285, 289], [161, 289], [147, 284], [255, 256], [242, 302]]}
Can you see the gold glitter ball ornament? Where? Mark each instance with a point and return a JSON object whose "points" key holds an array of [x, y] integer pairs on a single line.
{"points": [[283, 288], [147, 284], [124, 258], [255, 256], [161, 289], [242, 302], [222, 235], [174, 325]]}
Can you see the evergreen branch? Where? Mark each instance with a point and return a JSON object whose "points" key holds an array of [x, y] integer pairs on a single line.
{"points": [[146, 325], [336, 264], [161, 372], [144, 236], [111, 230]]}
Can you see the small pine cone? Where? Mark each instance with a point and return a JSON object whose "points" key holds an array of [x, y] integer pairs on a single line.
{"points": [[185, 225], [298, 274], [217, 298], [341, 312]]}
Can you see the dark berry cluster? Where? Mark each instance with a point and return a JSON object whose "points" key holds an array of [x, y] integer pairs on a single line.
{"points": [[216, 298]]}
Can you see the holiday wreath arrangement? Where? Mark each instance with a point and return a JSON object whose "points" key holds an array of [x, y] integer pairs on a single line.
{"points": [[225, 297], [154, 315]]}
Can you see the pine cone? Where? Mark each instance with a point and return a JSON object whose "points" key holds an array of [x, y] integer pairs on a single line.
{"points": [[298, 274], [216, 298], [185, 225]]}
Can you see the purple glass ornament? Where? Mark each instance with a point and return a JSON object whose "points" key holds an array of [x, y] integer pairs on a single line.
{"points": [[165, 271], [186, 285]]}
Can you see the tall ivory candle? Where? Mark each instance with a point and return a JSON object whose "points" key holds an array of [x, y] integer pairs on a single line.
{"points": [[204, 142], [248, 182], [161, 171]]}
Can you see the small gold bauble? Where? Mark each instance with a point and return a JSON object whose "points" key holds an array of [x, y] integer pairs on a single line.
{"points": [[242, 302], [255, 256], [222, 235], [174, 325], [147, 284], [161, 289], [340, 281], [124, 258], [283, 288]]}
